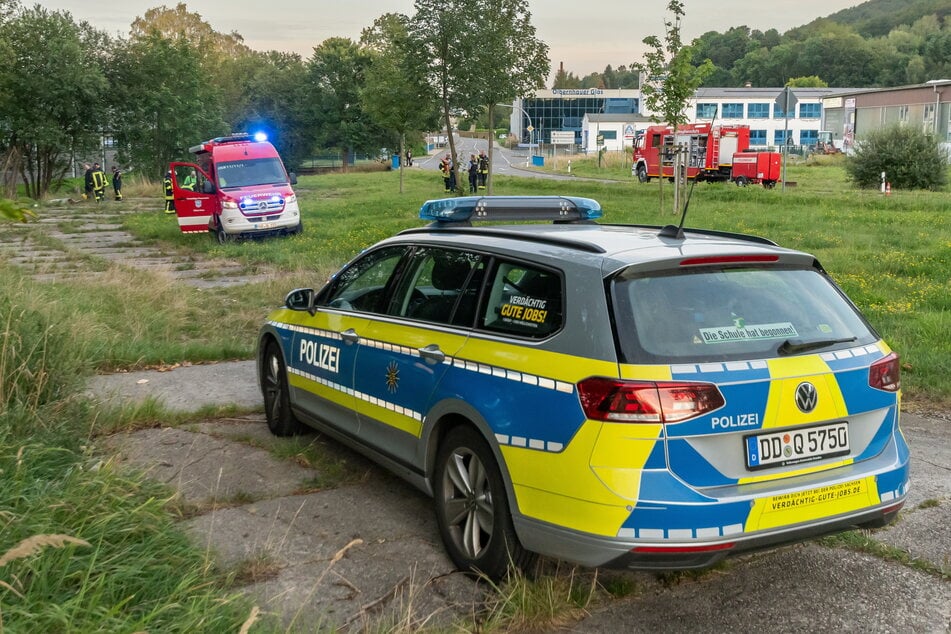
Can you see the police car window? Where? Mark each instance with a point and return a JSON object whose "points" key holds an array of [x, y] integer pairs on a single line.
{"points": [[437, 287], [523, 300], [730, 314], [362, 285]]}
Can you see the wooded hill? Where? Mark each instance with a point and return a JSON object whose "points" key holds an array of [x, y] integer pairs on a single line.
{"points": [[876, 44]]}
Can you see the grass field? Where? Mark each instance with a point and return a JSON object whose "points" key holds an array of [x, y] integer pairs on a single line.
{"points": [[892, 254]]}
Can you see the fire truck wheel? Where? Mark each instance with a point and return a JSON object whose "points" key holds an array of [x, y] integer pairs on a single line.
{"points": [[769, 184], [220, 234], [642, 174], [296, 230], [741, 181]]}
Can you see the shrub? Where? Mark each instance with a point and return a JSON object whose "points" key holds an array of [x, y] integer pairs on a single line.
{"points": [[910, 158]]}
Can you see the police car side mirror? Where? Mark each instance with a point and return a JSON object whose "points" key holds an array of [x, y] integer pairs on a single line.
{"points": [[301, 299], [208, 187], [292, 177]]}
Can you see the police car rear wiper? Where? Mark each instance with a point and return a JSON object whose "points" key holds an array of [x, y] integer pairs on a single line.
{"points": [[791, 346]]}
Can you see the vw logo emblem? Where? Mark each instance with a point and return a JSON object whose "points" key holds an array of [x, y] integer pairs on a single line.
{"points": [[806, 397]]}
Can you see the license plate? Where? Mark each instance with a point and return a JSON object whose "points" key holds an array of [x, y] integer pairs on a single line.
{"points": [[796, 446], [263, 225]]}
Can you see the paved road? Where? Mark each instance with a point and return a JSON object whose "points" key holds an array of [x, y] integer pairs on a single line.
{"points": [[370, 549]]}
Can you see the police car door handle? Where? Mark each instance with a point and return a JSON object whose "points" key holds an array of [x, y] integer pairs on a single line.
{"points": [[432, 354], [350, 335]]}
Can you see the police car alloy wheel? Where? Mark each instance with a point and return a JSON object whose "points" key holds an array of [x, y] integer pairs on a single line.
{"points": [[471, 507], [277, 407]]}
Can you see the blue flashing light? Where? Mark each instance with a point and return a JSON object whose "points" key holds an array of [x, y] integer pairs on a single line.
{"points": [[260, 137], [502, 208]]}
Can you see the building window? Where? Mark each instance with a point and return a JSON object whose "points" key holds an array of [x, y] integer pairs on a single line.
{"points": [[608, 135], [903, 114], [780, 135], [808, 137], [757, 111], [779, 113], [732, 111], [706, 110], [810, 110], [757, 137], [929, 113]]}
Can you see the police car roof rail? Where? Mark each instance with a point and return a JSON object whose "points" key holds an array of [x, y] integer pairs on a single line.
{"points": [[466, 209], [707, 232]]}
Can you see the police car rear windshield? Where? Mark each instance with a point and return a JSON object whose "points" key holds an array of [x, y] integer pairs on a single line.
{"points": [[250, 173], [706, 315]]}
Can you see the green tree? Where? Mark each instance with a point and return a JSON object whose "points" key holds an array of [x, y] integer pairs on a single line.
{"points": [[276, 97], [671, 80], [441, 29], [909, 157], [511, 61], [396, 94], [161, 100], [812, 81], [52, 93], [565, 79], [337, 70]]}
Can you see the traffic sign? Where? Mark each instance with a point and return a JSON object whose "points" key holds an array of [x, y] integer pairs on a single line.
{"points": [[786, 100]]}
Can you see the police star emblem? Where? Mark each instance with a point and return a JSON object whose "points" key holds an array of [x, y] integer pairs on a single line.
{"points": [[392, 377]]}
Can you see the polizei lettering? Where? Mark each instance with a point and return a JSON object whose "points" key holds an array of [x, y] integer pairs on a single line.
{"points": [[734, 422], [319, 355]]}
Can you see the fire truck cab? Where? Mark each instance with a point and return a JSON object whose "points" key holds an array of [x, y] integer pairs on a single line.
{"points": [[705, 151], [238, 187]]}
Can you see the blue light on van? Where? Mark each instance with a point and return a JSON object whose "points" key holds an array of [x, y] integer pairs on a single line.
{"points": [[503, 208], [260, 137]]}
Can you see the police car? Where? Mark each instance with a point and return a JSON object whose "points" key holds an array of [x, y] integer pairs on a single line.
{"points": [[611, 395]]}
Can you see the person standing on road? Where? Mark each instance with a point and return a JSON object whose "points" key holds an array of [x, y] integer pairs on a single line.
{"points": [[117, 182], [473, 173], [483, 169], [409, 157], [99, 182], [169, 194]]}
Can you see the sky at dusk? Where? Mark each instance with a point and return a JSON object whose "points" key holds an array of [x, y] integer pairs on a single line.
{"points": [[586, 36]]}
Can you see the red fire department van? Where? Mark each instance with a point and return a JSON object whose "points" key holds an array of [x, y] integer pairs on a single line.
{"points": [[238, 187]]}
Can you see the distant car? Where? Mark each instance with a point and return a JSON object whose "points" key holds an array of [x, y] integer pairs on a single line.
{"points": [[610, 395]]}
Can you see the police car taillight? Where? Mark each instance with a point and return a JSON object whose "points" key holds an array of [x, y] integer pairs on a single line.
{"points": [[885, 374], [647, 401]]}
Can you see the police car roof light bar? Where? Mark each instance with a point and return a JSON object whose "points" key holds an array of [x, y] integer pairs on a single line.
{"points": [[503, 208]]}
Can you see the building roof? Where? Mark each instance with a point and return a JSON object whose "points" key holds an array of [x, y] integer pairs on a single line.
{"points": [[768, 93]]}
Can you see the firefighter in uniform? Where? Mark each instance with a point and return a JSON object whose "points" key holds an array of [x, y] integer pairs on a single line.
{"points": [[473, 173], [445, 166], [117, 182], [87, 182], [98, 182], [483, 169], [169, 195]]}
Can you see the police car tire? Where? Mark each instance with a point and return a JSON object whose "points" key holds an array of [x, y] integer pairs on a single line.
{"points": [[466, 461], [277, 404]]}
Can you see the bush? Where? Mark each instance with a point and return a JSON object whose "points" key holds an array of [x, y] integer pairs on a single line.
{"points": [[910, 158]]}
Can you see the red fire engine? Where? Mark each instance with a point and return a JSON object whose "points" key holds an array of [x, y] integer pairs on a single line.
{"points": [[707, 151]]}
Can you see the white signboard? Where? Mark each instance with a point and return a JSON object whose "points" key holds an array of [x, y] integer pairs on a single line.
{"points": [[561, 137]]}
